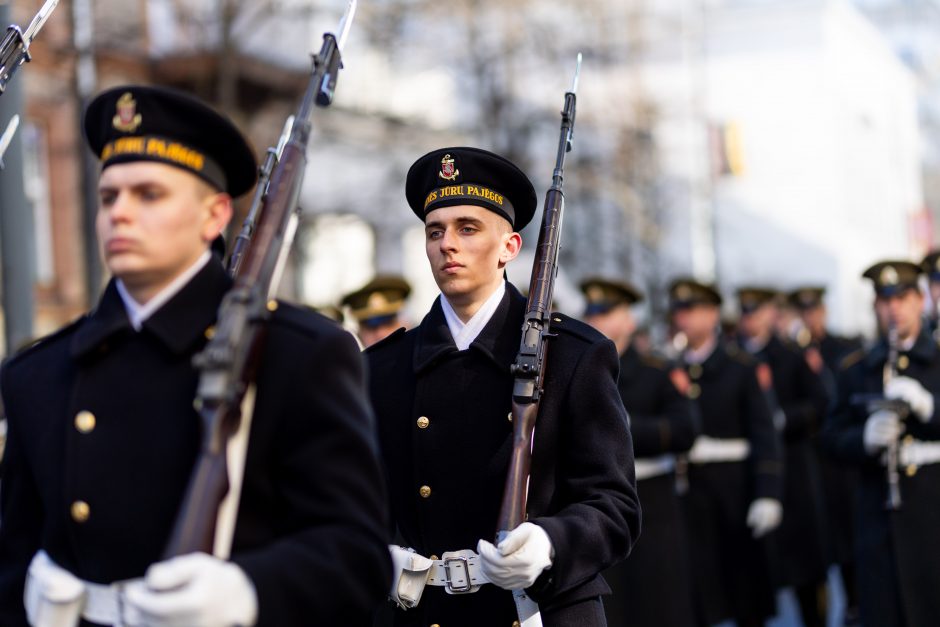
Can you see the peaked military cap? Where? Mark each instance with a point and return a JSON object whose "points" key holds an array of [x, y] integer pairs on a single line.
{"points": [[688, 292], [602, 294], [470, 176], [138, 123], [893, 277], [751, 298], [931, 265], [379, 300], [806, 297]]}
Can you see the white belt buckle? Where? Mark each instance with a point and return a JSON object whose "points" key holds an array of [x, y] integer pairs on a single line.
{"points": [[449, 577]]}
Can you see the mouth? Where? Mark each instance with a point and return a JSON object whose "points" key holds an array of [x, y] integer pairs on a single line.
{"points": [[117, 245], [451, 267]]}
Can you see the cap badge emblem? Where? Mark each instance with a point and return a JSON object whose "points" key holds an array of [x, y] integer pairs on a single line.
{"points": [[888, 276], [683, 292], [448, 171], [127, 119], [595, 294]]}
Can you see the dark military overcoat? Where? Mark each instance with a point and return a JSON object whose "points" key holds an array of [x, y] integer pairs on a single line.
{"points": [[897, 551], [652, 587], [801, 538], [446, 437], [729, 566], [311, 530]]}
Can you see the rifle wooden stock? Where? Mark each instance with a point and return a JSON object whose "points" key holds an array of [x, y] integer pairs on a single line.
{"points": [[228, 363], [529, 367]]}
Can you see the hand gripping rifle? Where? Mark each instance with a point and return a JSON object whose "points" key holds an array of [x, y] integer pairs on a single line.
{"points": [[529, 367], [228, 363], [14, 49]]}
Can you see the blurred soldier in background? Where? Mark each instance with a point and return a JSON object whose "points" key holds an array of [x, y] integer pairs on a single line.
{"points": [[648, 590], [931, 267], [898, 550], [799, 406], [823, 352], [735, 467], [377, 307]]}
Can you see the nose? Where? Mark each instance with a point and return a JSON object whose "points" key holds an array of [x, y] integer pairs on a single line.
{"points": [[449, 240], [119, 209]]}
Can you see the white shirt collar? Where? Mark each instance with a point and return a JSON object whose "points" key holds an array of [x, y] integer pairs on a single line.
{"points": [[699, 355], [464, 334], [138, 313]]}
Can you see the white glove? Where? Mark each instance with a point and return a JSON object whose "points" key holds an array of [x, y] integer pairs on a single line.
{"points": [[195, 590], [517, 561], [764, 515], [913, 393], [882, 428]]}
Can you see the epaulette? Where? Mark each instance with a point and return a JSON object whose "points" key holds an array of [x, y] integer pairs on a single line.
{"points": [[299, 318], [388, 340], [851, 359], [32, 345], [560, 323]]}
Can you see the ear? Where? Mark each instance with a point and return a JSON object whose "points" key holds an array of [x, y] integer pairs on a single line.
{"points": [[512, 244], [219, 211]]}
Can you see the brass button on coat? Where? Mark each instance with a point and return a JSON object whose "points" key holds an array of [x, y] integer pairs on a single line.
{"points": [[80, 511], [694, 391], [903, 362], [424, 491], [85, 422], [423, 422], [515, 623], [695, 371]]}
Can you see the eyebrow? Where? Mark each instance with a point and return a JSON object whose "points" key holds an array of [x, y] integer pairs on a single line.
{"points": [[460, 220]]}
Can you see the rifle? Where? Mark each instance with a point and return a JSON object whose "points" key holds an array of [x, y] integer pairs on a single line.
{"points": [[14, 49], [877, 402], [529, 367], [229, 361], [7, 136]]}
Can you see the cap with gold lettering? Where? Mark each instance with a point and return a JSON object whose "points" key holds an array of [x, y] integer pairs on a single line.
{"points": [[470, 176], [893, 277], [378, 301], [685, 293], [140, 123], [805, 298], [931, 265], [602, 294], [752, 298]]}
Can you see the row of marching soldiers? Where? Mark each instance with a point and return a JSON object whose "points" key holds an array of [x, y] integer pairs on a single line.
{"points": [[762, 451]]}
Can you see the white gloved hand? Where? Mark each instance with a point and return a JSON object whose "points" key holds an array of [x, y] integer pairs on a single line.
{"points": [[517, 561], [913, 393], [882, 428], [764, 515], [195, 590]]}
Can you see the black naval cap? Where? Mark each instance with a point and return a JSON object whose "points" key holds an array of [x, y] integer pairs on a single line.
{"points": [[470, 176], [893, 277], [931, 265], [752, 298], [685, 293], [808, 297], [140, 123], [378, 301], [602, 295]]}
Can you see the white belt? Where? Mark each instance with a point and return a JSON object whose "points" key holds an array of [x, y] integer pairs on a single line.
{"points": [[54, 597], [649, 467], [458, 572], [707, 450], [918, 453]]}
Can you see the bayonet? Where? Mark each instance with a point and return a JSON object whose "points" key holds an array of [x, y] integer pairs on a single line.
{"points": [[14, 49], [7, 137]]}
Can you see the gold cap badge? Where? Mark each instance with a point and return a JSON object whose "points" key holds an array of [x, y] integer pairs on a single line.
{"points": [[889, 276], [127, 119], [449, 170]]}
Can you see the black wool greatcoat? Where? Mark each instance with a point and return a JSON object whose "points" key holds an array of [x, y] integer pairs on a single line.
{"points": [[582, 488], [729, 567], [802, 536], [311, 526], [651, 588], [897, 552]]}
